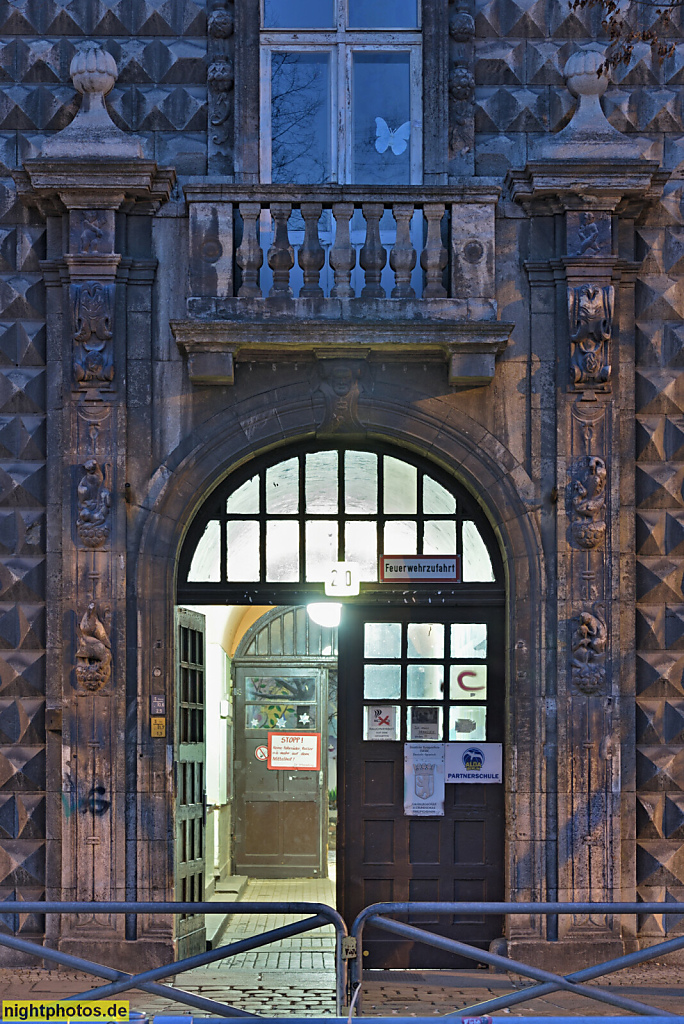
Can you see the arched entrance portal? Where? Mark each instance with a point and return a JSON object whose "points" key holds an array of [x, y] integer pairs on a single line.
{"points": [[419, 662]]}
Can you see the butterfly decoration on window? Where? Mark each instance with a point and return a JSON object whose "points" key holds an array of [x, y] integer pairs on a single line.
{"points": [[386, 138]]}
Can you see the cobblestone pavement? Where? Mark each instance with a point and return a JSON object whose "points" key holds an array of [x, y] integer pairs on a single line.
{"points": [[296, 977]]}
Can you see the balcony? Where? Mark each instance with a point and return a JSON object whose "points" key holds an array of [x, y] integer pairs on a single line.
{"points": [[283, 269]]}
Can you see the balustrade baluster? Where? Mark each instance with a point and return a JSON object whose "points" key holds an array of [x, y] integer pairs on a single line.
{"points": [[281, 253], [250, 256], [433, 258], [342, 254], [373, 256], [311, 256], [403, 256]]}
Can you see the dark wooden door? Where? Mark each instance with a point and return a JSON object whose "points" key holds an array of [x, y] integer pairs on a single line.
{"points": [[429, 666], [280, 816]]}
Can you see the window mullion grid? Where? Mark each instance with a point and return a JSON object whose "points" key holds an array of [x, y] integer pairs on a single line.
{"points": [[341, 509], [262, 526], [381, 507], [302, 518], [420, 518]]}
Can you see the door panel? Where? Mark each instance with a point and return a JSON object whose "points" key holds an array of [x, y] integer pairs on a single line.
{"points": [[417, 661], [189, 778], [280, 816]]}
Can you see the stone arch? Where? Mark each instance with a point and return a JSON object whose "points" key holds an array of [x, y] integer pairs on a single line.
{"points": [[461, 447]]}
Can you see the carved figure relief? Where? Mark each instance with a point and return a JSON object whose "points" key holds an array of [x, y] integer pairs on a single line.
{"points": [[587, 235], [341, 384], [588, 646], [588, 526], [94, 651], [590, 309], [93, 228], [94, 503], [93, 305]]}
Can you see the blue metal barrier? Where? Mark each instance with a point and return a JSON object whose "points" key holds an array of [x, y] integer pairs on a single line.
{"points": [[550, 982], [147, 981]]}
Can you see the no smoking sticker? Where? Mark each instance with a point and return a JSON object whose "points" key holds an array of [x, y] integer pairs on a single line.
{"points": [[261, 753]]}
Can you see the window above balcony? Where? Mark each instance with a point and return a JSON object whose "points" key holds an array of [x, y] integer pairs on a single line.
{"points": [[341, 88]]}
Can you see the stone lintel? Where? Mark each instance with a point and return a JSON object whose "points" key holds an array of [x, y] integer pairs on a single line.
{"points": [[469, 348], [93, 184], [549, 186], [217, 190]]}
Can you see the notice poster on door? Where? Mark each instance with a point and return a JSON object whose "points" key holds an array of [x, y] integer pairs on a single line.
{"points": [[294, 751], [474, 762], [423, 779], [381, 722]]}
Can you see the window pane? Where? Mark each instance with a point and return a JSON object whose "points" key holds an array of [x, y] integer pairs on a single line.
{"points": [[468, 682], [400, 488], [243, 551], [477, 565], [321, 548], [382, 640], [425, 682], [282, 487], [280, 716], [439, 537], [381, 682], [321, 482], [467, 724], [206, 561], [245, 501], [400, 538], [425, 640], [382, 119], [469, 640], [424, 723], [361, 546], [436, 499], [300, 117], [299, 14], [299, 688], [282, 551], [360, 483], [383, 14]]}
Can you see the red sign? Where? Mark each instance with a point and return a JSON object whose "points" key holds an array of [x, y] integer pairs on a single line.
{"points": [[294, 751], [261, 753]]}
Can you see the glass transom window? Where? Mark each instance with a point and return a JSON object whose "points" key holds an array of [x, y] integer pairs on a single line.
{"points": [[290, 521], [341, 92]]}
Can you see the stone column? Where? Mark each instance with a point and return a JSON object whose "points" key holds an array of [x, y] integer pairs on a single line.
{"points": [[588, 179], [89, 173]]}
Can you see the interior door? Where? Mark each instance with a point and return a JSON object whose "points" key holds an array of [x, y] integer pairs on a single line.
{"points": [[189, 778], [280, 816], [433, 674]]}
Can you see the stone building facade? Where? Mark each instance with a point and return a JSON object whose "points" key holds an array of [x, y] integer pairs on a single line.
{"points": [[162, 326]]}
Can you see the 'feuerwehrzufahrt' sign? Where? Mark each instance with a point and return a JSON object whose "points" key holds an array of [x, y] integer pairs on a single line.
{"points": [[420, 569]]}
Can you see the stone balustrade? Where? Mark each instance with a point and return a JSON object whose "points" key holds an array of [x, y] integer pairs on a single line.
{"points": [[341, 242]]}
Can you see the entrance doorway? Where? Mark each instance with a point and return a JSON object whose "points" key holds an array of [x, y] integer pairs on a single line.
{"points": [[427, 658]]}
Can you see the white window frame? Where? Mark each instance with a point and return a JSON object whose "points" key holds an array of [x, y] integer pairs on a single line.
{"points": [[341, 45]]}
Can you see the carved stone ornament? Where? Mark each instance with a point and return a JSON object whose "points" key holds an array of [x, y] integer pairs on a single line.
{"points": [[588, 646], [221, 80], [461, 90], [341, 384], [461, 26], [94, 503], [590, 311], [588, 526], [94, 652], [93, 307]]}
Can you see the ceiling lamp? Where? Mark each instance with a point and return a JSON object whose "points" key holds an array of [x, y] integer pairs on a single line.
{"points": [[325, 613]]}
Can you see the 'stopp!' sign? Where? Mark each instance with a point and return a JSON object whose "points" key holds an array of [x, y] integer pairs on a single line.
{"points": [[420, 568], [294, 751]]}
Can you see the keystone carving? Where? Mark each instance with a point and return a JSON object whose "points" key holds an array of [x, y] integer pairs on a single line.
{"points": [[94, 503], [588, 525], [590, 309], [588, 648], [341, 384], [93, 307], [94, 652]]}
